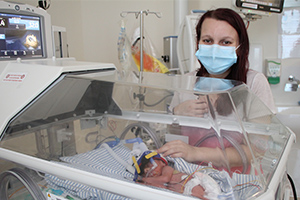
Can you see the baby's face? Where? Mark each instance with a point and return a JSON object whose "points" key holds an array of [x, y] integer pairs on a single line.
{"points": [[157, 171]]}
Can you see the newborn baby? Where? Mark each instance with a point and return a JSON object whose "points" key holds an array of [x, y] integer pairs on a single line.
{"points": [[164, 176]]}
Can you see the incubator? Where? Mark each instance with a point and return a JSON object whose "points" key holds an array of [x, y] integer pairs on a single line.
{"points": [[77, 130], [74, 139]]}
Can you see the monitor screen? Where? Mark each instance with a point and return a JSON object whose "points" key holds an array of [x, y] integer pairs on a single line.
{"points": [[261, 5], [20, 36]]}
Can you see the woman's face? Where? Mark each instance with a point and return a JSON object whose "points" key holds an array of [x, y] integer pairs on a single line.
{"points": [[221, 33], [218, 32]]}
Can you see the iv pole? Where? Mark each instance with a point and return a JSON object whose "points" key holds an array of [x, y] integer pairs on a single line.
{"points": [[141, 95], [141, 14]]}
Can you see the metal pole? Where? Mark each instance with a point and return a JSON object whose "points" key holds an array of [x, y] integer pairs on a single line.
{"points": [[142, 46], [141, 13]]}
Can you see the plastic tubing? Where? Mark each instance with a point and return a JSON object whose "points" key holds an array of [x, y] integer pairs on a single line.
{"points": [[240, 150], [146, 128], [120, 160], [152, 168], [25, 179]]}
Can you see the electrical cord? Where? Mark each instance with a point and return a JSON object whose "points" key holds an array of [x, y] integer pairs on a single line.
{"points": [[293, 186], [158, 102], [141, 97]]}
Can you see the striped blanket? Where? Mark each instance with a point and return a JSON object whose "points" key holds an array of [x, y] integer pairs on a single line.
{"points": [[100, 161]]}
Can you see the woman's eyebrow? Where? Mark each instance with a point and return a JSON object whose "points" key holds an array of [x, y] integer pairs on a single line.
{"points": [[208, 36], [227, 38]]}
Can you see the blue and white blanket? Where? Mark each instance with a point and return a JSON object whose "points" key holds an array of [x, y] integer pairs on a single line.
{"points": [[100, 161]]}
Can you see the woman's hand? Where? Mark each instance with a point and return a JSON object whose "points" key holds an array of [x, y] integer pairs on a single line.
{"points": [[192, 108], [178, 148]]}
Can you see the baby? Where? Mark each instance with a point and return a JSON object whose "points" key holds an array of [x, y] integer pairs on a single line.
{"points": [[164, 176]]}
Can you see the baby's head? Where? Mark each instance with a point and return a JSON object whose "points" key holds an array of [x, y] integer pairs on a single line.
{"points": [[150, 164], [147, 167]]}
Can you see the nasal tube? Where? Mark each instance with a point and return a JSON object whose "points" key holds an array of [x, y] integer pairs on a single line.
{"points": [[152, 168]]}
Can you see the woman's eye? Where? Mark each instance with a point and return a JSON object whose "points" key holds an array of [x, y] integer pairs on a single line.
{"points": [[206, 41], [226, 43]]}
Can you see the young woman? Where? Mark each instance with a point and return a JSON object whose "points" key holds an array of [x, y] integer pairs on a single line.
{"points": [[222, 51]]}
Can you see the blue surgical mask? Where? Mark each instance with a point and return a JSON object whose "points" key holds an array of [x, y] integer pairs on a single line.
{"points": [[205, 84], [215, 58]]}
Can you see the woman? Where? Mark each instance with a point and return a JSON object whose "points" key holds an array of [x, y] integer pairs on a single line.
{"points": [[222, 51]]}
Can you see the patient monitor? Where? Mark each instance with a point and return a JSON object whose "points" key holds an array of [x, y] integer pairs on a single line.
{"points": [[25, 32], [259, 6]]}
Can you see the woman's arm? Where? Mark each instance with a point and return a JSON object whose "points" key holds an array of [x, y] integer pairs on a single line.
{"points": [[190, 153]]}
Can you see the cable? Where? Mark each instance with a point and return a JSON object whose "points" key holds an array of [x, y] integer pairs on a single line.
{"points": [[151, 105], [25, 179], [141, 97], [90, 134], [248, 23], [293, 186]]}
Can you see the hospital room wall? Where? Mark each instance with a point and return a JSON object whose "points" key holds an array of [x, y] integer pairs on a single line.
{"points": [[93, 26], [98, 25]]}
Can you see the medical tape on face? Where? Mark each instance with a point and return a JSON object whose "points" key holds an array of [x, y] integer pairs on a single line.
{"points": [[136, 165]]}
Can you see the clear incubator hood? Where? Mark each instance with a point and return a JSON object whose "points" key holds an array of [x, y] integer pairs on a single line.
{"points": [[75, 139]]}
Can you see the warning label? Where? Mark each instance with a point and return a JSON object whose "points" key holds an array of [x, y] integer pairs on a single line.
{"points": [[14, 77]]}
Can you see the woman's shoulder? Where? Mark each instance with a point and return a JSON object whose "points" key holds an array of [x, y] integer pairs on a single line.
{"points": [[254, 77], [252, 73], [260, 86]]}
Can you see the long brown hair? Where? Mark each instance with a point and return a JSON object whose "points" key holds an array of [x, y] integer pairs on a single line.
{"points": [[240, 68]]}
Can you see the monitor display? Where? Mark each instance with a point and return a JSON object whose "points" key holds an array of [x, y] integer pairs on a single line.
{"points": [[261, 5], [20, 36]]}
